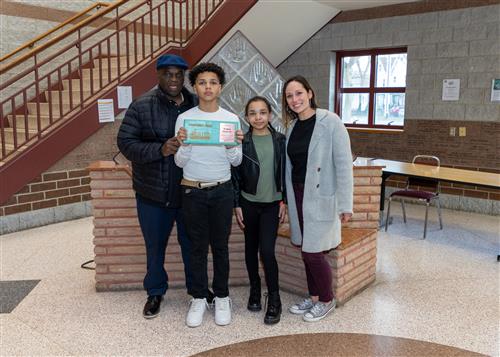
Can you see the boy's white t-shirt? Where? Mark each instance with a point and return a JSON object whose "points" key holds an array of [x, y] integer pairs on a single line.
{"points": [[207, 163]]}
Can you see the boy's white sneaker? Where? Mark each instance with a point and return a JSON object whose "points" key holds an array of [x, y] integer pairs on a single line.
{"points": [[222, 310], [197, 308]]}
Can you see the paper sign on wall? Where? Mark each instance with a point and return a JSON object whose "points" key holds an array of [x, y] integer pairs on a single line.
{"points": [[124, 96], [495, 90], [451, 89], [105, 110]]}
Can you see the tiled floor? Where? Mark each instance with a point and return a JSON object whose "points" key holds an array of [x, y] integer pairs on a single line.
{"points": [[444, 289]]}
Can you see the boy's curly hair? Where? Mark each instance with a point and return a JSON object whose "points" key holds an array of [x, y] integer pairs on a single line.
{"points": [[207, 67]]}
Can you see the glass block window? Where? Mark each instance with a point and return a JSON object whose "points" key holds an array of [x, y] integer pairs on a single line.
{"points": [[248, 73]]}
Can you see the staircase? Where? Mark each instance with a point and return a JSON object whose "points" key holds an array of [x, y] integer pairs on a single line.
{"points": [[49, 95]]}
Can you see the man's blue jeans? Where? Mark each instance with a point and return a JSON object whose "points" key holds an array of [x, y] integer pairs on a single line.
{"points": [[156, 225]]}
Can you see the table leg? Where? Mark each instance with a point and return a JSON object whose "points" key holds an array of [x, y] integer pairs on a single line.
{"points": [[382, 200]]}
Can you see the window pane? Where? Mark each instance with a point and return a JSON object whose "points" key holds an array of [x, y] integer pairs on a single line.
{"points": [[355, 108], [391, 70], [389, 109], [356, 72]]}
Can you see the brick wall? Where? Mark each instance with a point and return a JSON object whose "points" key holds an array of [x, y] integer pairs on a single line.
{"points": [[51, 189], [353, 263], [120, 254]]}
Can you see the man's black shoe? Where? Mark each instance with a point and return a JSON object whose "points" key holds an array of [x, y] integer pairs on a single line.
{"points": [[152, 307]]}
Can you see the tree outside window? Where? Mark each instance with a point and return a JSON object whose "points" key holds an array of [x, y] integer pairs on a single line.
{"points": [[370, 87]]}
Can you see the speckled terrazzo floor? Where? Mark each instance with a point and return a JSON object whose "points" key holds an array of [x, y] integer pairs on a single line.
{"points": [[443, 290]]}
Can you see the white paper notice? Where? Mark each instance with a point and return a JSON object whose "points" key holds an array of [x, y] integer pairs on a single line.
{"points": [[495, 90], [124, 96], [451, 89], [105, 110]]}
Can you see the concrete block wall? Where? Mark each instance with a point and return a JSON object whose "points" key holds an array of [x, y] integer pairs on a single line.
{"points": [[459, 43], [443, 41]]}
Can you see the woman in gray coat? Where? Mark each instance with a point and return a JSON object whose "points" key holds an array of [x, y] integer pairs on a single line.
{"points": [[319, 185]]}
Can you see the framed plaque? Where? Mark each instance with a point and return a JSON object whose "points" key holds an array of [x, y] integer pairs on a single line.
{"points": [[211, 132]]}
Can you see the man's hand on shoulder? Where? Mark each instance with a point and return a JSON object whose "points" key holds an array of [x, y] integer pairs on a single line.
{"points": [[170, 146]]}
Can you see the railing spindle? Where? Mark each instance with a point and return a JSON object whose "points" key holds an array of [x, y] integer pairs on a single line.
{"points": [[118, 45], [91, 73], [49, 99], [70, 85], [174, 33], [135, 44], [14, 124], [2, 130], [159, 26], [99, 53], [151, 28], [127, 47], [143, 38], [80, 62], [37, 96], [26, 119], [109, 59], [61, 88]]}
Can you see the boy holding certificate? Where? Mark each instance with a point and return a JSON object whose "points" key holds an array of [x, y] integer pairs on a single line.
{"points": [[210, 138]]}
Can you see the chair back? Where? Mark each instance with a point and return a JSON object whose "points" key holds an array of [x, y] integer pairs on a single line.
{"points": [[423, 184]]}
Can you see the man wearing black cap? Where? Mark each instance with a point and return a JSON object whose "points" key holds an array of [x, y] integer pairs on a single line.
{"points": [[147, 138]]}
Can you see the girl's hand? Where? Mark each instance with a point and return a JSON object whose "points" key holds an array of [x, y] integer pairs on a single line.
{"points": [[282, 213], [345, 217], [182, 135], [239, 217]]}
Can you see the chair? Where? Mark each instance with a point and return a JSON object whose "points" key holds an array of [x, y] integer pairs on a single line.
{"points": [[428, 190]]}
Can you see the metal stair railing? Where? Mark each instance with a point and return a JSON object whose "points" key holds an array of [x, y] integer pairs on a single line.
{"points": [[52, 82]]}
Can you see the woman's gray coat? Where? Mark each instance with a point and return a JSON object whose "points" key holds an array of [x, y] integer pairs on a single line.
{"points": [[328, 187]]}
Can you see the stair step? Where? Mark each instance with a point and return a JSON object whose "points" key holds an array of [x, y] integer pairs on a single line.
{"points": [[44, 109], [8, 147], [32, 121], [95, 74], [75, 84], [114, 62], [65, 96], [21, 135]]}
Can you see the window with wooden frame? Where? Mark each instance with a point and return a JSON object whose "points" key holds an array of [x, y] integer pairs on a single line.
{"points": [[370, 88]]}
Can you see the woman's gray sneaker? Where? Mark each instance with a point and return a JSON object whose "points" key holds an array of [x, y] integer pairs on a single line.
{"points": [[319, 311], [301, 307]]}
